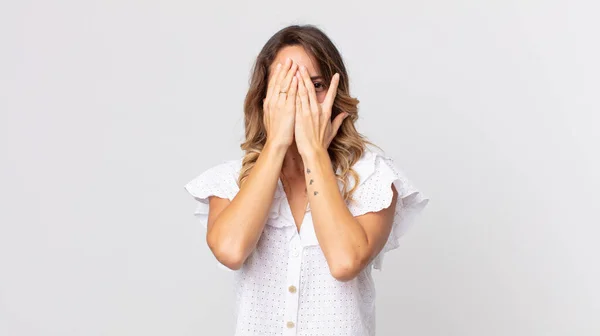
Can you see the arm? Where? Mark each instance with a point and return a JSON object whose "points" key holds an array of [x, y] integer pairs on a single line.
{"points": [[234, 227], [349, 243]]}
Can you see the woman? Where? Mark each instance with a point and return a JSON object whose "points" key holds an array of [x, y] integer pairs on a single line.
{"points": [[309, 210]]}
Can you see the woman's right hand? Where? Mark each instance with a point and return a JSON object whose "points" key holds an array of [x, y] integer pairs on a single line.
{"points": [[279, 108]]}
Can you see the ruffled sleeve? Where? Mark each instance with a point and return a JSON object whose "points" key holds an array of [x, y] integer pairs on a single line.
{"points": [[377, 173], [220, 181], [217, 181]]}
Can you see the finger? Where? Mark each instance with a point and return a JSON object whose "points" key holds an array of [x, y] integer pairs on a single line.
{"points": [[310, 87], [285, 85], [303, 95], [298, 101], [332, 91], [298, 115], [271, 82], [291, 96], [337, 122], [288, 77], [282, 73]]}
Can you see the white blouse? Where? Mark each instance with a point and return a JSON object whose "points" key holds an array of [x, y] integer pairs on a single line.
{"points": [[285, 287]]}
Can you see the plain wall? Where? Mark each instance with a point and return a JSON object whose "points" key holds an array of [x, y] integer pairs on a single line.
{"points": [[109, 107]]}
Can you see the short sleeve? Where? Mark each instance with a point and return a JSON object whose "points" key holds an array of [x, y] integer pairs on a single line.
{"points": [[220, 181], [374, 193]]}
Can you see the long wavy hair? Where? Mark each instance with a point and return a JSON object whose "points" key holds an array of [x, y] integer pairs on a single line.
{"points": [[348, 145]]}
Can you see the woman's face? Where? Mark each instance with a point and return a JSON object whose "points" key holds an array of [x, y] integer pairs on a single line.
{"points": [[299, 56]]}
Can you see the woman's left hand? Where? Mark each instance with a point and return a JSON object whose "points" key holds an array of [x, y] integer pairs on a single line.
{"points": [[313, 128]]}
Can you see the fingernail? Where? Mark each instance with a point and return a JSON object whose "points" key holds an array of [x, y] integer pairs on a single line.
{"points": [[279, 65], [303, 68]]}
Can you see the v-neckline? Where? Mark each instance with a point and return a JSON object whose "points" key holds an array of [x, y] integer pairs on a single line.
{"points": [[289, 208]]}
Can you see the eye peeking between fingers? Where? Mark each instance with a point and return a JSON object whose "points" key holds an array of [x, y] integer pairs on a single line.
{"points": [[319, 86]]}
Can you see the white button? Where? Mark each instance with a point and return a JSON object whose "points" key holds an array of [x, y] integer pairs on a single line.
{"points": [[295, 252]]}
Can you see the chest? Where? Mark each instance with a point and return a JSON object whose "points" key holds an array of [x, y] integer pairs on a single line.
{"points": [[298, 205]]}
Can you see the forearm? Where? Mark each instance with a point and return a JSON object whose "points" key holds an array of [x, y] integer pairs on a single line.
{"points": [[341, 237], [238, 227]]}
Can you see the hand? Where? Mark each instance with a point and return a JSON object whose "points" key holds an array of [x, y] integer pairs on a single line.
{"points": [[314, 129], [279, 107]]}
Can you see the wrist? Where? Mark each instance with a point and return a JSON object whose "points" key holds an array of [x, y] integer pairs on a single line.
{"points": [[313, 153], [276, 147]]}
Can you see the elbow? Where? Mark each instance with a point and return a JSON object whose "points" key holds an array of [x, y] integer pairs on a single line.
{"points": [[346, 270], [231, 257], [233, 261]]}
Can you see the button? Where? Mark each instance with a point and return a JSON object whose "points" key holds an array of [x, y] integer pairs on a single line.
{"points": [[295, 252], [292, 289], [290, 324]]}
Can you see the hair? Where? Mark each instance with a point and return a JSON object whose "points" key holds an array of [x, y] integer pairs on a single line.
{"points": [[348, 145]]}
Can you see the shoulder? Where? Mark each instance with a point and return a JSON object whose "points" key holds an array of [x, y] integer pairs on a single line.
{"points": [[373, 162], [222, 168], [218, 179], [377, 172], [231, 166]]}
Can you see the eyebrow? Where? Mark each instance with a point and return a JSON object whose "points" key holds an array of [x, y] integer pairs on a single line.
{"points": [[316, 77]]}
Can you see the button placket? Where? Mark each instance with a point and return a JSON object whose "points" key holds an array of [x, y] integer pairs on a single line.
{"points": [[293, 278]]}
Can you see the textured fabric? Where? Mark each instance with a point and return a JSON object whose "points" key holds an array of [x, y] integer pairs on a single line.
{"points": [[285, 287]]}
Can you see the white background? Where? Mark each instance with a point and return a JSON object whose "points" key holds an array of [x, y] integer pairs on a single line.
{"points": [[109, 107]]}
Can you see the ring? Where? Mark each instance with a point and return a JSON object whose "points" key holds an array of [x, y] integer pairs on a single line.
{"points": [[282, 91]]}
